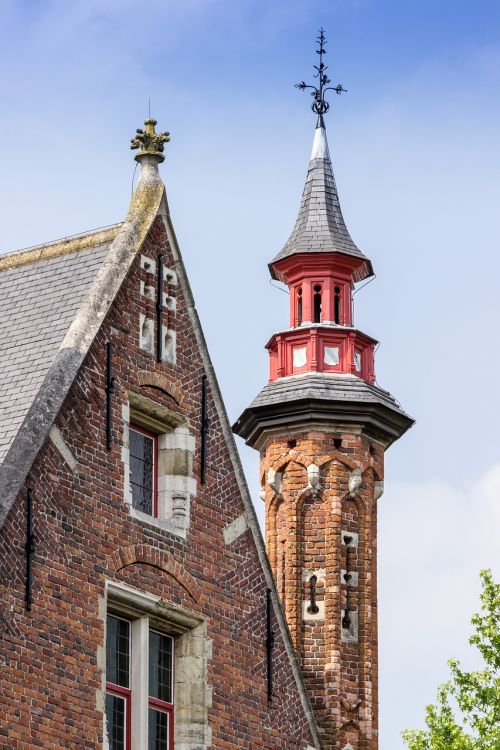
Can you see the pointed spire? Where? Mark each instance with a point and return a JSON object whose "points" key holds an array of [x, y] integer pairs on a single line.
{"points": [[320, 144], [320, 226]]}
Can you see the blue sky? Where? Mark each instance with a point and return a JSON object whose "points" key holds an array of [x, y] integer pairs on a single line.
{"points": [[416, 150]]}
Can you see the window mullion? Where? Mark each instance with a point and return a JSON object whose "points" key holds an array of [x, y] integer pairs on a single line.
{"points": [[140, 651]]}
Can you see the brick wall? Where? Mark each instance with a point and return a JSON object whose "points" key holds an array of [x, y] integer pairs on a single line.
{"points": [[307, 521], [51, 657]]}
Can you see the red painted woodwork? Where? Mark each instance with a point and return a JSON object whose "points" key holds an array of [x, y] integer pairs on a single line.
{"points": [[166, 708], [313, 343], [314, 339], [126, 694]]}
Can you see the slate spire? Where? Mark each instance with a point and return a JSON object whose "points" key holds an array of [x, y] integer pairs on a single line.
{"points": [[320, 226]]}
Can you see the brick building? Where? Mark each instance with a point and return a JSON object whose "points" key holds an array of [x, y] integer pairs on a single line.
{"points": [[322, 425], [133, 576], [139, 607]]}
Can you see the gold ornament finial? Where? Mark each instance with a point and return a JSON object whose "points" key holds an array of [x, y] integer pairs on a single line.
{"points": [[149, 141]]}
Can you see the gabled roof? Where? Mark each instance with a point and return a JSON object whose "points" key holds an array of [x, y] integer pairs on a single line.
{"points": [[53, 300], [320, 226], [41, 289], [94, 265]]}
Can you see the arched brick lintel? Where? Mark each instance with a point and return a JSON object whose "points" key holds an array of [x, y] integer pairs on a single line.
{"points": [[304, 460], [171, 386], [142, 554], [377, 476]]}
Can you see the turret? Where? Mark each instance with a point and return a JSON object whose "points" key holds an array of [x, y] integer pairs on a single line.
{"points": [[322, 425]]}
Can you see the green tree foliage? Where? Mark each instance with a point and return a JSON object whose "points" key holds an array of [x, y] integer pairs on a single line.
{"points": [[466, 715]]}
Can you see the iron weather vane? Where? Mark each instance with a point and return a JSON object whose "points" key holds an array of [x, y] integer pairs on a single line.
{"points": [[320, 105]]}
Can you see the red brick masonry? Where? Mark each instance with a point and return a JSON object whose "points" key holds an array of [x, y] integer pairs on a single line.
{"points": [[51, 674], [305, 531]]}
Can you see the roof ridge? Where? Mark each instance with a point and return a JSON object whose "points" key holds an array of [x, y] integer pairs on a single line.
{"points": [[125, 241], [72, 243]]}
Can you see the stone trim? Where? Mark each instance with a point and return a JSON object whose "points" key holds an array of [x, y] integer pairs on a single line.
{"points": [[235, 529], [57, 248], [146, 333], [353, 581], [353, 534], [148, 264], [58, 441], [146, 290], [349, 635], [144, 207], [309, 616], [301, 458], [176, 448], [149, 414]]}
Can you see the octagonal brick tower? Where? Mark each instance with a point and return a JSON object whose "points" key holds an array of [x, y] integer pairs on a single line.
{"points": [[322, 425]]}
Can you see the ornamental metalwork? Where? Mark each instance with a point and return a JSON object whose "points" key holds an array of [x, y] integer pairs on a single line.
{"points": [[320, 105]]}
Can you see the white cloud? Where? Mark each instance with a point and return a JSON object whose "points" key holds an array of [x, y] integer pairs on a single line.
{"points": [[434, 539]]}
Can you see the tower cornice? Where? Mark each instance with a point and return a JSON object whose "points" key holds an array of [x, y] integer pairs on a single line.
{"points": [[300, 400]]}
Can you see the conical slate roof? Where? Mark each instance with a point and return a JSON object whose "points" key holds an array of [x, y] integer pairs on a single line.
{"points": [[320, 226]]}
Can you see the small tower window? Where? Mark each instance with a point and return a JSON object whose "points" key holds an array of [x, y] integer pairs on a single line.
{"points": [[317, 303], [299, 306], [336, 305]]}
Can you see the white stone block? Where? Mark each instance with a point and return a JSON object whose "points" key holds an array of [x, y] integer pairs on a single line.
{"points": [[235, 529]]}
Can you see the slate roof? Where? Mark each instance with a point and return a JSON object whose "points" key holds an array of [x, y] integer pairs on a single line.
{"points": [[324, 386], [53, 300], [320, 226], [59, 296], [40, 291], [323, 397]]}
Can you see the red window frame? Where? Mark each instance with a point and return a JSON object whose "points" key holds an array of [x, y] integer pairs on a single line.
{"points": [[164, 706], [126, 694], [123, 692], [154, 436]]}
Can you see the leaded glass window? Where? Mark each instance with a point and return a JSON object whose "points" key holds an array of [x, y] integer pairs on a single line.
{"points": [[142, 446]]}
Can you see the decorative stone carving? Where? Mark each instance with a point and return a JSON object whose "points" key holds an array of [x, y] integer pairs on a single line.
{"points": [[355, 481], [179, 510], [313, 477], [146, 333], [148, 140], [352, 536], [349, 634], [351, 704], [169, 346], [379, 489], [274, 479]]}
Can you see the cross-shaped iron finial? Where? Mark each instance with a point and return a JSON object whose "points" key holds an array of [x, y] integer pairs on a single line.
{"points": [[320, 105]]}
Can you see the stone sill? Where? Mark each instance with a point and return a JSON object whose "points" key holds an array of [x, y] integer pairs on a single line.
{"points": [[159, 523]]}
